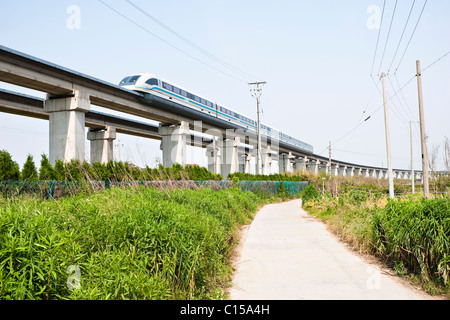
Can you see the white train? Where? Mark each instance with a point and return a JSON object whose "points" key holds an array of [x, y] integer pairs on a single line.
{"points": [[148, 83]]}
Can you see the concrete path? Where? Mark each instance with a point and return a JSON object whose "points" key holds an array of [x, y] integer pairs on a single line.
{"points": [[288, 255]]}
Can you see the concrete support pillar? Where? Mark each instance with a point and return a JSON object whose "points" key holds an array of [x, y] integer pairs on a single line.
{"points": [[301, 164], [67, 126], [267, 161], [173, 144], [343, 171], [284, 163], [314, 166], [213, 156], [247, 160], [335, 170], [323, 167], [374, 173], [229, 156], [351, 171], [102, 144]]}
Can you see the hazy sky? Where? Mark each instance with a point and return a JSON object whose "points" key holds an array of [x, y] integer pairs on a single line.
{"points": [[316, 57]]}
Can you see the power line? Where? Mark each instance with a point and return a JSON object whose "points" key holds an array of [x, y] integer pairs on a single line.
{"points": [[399, 101], [220, 61], [387, 38], [432, 64], [412, 35], [169, 44], [403, 33], [378, 38], [404, 99], [389, 99]]}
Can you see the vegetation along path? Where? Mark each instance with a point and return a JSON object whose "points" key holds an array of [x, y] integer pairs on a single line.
{"points": [[286, 254]]}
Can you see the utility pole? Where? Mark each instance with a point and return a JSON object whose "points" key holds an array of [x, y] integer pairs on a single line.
{"points": [[426, 186], [258, 148], [388, 139], [412, 158]]}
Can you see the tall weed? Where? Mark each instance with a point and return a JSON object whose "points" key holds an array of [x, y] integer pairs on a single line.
{"points": [[128, 243]]}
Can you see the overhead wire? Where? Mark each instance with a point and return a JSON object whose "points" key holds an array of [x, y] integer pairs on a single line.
{"points": [[190, 43], [403, 33], [399, 101], [412, 35], [170, 44], [388, 100], [403, 96], [388, 35], [378, 38]]}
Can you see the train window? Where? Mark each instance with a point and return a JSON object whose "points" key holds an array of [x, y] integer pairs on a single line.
{"points": [[202, 101], [124, 80], [152, 82], [167, 86], [183, 93], [129, 80], [176, 90], [133, 79], [196, 98]]}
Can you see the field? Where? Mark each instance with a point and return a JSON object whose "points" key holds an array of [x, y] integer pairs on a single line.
{"points": [[122, 243]]}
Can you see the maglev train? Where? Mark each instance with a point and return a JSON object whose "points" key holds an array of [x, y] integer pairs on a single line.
{"points": [[148, 83]]}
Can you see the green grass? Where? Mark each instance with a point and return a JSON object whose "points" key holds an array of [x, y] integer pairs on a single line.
{"points": [[128, 243]]}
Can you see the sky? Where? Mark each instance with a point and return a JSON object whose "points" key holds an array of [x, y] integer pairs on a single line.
{"points": [[320, 60]]}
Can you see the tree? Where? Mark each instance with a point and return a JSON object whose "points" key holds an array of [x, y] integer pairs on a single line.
{"points": [[60, 170], [29, 171], [46, 171], [9, 169]]}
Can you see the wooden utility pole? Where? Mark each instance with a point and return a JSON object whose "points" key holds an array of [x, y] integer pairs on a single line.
{"points": [[258, 148], [388, 139], [426, 186]]}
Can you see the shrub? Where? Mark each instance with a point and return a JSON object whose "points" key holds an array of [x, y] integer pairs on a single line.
{"points": [[310, 193], [29, 171], [46, 171], [9, 169]]}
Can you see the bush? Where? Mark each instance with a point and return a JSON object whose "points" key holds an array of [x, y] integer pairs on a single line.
{"points": [[9, 169], [29, 171], [310, 193], [46, 171]]}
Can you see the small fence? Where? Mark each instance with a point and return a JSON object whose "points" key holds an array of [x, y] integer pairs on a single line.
{"points": [[58, 189]]}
